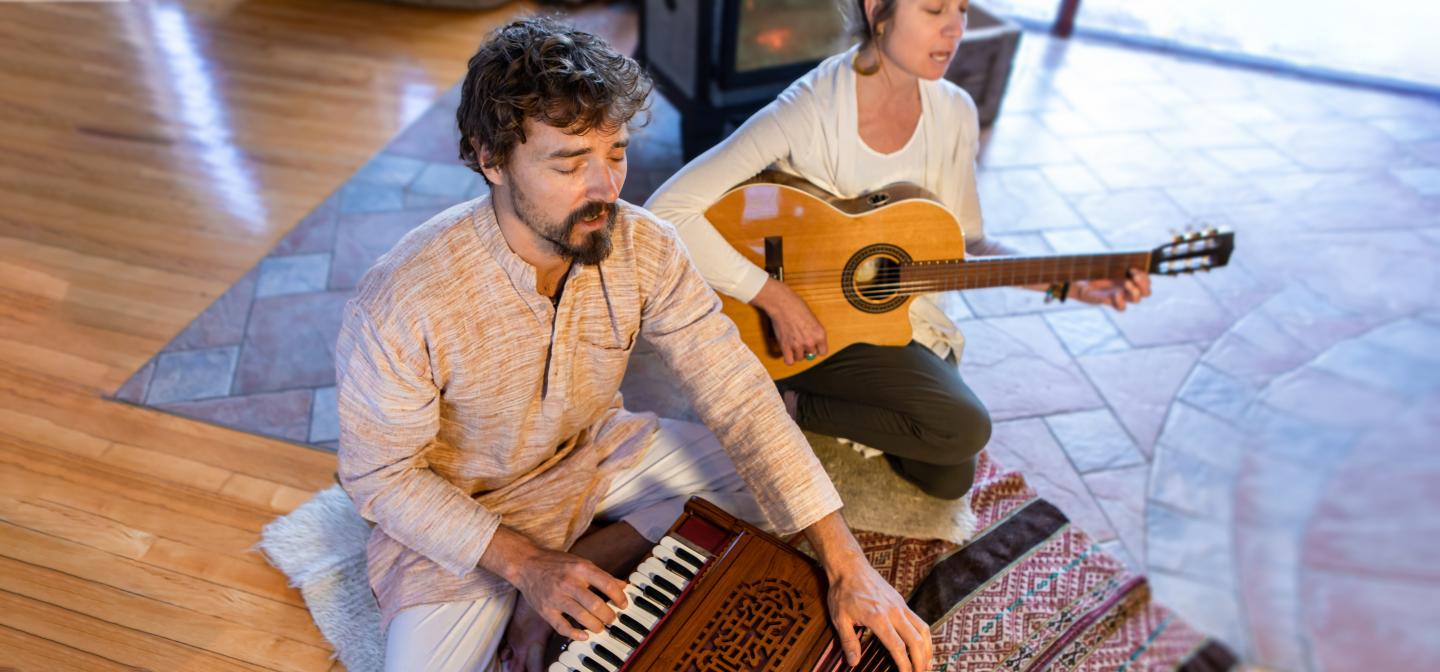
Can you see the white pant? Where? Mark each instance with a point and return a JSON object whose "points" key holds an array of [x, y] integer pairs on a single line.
{"points": [[683, 460]]}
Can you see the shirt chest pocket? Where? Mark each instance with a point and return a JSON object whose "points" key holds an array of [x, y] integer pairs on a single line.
{"points": [[607, 331], [603, 344], [597, 371]]}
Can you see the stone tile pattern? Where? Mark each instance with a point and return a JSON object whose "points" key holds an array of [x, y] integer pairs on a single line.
{"points": [[261, 358], [1258, 440]]}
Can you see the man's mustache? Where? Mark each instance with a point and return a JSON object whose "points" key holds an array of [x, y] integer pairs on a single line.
{"points": [[590, 211]]}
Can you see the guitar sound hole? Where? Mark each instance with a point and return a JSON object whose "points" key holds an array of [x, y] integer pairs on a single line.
{"points": [[878, 278], [871, 279]]}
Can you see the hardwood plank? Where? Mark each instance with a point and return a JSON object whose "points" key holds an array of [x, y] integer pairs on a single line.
{"points": [[181, 590], [168, 512], [25, 652], [83, 631], [54, 364], [266, 494], [158, 464], [284, 463], [125, 351], [75, 525], [24, 278], [43, 431], [196, 630], [55, 272], [248, 572]]}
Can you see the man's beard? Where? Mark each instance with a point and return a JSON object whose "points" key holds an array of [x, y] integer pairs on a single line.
{"points": [[592, 250]]}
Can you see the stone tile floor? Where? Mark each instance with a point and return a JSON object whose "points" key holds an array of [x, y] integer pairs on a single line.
{"points": [[1259, 440]]}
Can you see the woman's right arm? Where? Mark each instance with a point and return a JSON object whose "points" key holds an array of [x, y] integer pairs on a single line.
{"points": [[765, 138], [768, 136]]}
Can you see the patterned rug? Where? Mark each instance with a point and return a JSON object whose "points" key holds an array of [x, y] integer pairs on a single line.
{"points": [[1028, 592], [1031, 592]]}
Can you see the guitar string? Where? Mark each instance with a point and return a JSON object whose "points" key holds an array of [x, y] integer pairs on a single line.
{"points": [[827, 291], [834, 288], [820, 285], [822, 288], [998, 265], [1142, 259]]}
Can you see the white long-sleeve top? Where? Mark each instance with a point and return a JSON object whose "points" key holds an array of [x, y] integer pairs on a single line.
{"points": [[811, 130]]}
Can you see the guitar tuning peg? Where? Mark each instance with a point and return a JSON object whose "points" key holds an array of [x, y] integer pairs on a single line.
{"points": [[1211, 231], [1192, 235], [1178, 238]]}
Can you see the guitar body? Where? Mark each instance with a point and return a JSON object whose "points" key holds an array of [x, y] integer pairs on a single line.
{"points": [[819, 237]]}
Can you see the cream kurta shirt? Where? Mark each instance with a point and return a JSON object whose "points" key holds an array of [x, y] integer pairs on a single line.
{"points": [[467, 400]]}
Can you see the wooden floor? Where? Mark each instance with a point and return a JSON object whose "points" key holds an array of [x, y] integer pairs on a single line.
{"points": [[150, 153]]}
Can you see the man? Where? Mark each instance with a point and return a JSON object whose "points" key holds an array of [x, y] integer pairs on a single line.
{"points": [[478, 371]]}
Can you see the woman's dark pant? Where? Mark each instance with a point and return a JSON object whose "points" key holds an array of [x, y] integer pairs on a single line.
{"points": [[904, 401]]}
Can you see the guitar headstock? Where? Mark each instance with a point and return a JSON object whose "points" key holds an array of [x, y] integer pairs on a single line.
{"points": [[1193, 251]]}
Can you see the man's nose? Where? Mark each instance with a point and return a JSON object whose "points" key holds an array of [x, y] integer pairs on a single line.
{"points": [[602, 183]]}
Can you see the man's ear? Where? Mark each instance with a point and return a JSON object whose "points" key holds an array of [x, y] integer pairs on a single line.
{"points": [[492, 170]]}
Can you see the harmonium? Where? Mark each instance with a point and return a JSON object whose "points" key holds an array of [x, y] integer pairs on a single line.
{"points": [[720, 595]]}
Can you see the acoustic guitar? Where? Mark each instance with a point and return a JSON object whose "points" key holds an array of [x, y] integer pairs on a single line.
{"points": [[859, 261]]}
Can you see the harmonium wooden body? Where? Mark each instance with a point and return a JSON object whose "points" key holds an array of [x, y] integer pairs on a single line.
{"points": [[720, 595]]}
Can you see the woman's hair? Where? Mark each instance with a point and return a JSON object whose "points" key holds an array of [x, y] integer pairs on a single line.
{"points": [[864, 28], [542, 70]]}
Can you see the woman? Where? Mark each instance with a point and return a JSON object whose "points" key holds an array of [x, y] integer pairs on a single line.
{"points": [[876, 114]]}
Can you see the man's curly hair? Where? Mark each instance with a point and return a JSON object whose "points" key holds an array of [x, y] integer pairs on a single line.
{"points": [[540, 69]]}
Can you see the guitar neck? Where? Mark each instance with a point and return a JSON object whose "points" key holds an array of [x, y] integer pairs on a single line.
{"points": [[934, 276]]}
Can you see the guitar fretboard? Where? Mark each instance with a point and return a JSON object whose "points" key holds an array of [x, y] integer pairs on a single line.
{"points": [[933, 276]]}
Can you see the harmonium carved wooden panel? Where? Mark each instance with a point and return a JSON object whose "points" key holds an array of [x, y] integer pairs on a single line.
{"points": [[720, 595]]}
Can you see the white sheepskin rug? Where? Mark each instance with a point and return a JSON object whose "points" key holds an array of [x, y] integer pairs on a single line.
{"points": [[320, 546]]}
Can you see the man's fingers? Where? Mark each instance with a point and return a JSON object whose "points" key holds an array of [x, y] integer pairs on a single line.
{"points": [[921, 648], [927, 636], [616, 591], [594, 605], [585, 615], [917, 641], [586, 620], [611, 588], [895, 645], [561, 625], [849, 641]]}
